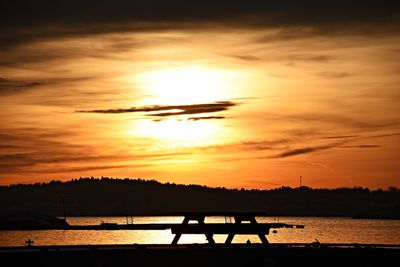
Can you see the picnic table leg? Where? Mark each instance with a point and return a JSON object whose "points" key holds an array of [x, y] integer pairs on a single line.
{"points": [[209, 236], [178, 235], [230, 237], [262, 237]]}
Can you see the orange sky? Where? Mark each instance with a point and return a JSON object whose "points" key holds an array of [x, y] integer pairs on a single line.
{"points": [[252, 107]]}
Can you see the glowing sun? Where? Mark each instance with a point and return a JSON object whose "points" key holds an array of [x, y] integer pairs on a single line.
{"points": [[186, 85]]}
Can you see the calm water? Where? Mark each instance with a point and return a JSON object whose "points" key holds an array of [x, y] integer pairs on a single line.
{"points": [[326, 230]]}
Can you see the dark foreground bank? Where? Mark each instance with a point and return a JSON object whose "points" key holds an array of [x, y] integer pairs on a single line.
{"points": [[202, 255]]}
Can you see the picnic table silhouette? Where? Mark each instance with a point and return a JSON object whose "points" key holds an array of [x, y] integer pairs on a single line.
{"points": [[238, 227]]}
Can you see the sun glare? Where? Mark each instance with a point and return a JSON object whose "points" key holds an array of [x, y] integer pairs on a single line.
{"points": [[186, 85], [179, 133]]}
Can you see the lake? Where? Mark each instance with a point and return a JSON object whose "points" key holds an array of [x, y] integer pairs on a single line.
{"points": [[325, 230]]}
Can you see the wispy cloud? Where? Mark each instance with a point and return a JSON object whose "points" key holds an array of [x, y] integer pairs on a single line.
{"points": [[304, 150], [33, 150], [309, 58], [206, 118], [247, 58], [14, 86], [83, 168], [350, 121], [333, 74], [385, 135], [340, 137], [361, 146]]}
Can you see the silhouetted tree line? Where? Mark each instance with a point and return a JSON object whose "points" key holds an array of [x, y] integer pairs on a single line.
{"points": [[120, 197]]}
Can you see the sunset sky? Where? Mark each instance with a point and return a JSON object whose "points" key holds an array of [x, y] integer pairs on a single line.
{"points": [[237, 94]]}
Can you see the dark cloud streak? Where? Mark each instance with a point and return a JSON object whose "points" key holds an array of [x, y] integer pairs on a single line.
{"points": [[385, 135], [206, 118], [82, 169], [304, 150], [174, 110], [13, 86], [361, 146], [340, 136], [333, 74], [191, 111]]}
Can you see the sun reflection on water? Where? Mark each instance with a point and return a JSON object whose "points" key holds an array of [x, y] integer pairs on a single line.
{"points": [[326, 230]]}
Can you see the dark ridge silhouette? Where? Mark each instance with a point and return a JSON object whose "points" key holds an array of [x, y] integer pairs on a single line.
{"points": [[120, 197]]}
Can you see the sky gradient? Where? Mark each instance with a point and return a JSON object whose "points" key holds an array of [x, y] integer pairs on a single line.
{"points": [[237, 94]]}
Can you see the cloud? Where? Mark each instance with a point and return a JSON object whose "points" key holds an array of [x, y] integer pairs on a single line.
{"points": [[20, 140], [248, 58], [14, 86], [173, 110], [191, 111], [35, 150], [304, 150], [83, 168], [206, 118], [57, 155], [5, 146], [333, 74], [384, 135], [40, 157], [340, 136], [361, 146], [246, 146], [348, 120], [22, 21], [309, 58]]}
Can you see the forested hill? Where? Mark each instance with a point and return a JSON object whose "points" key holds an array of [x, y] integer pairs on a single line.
{"points": [[109, 197]]}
